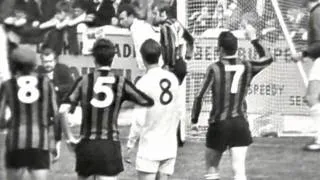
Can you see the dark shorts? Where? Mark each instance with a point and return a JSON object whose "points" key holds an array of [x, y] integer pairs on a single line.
{"points": [[229, 133], [98, 157], [32, 159]]}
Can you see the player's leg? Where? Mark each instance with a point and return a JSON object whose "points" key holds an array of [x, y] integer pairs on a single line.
{"points": [[161, 176], [147, 169], [39, 164], [40, 174], [312, 97], [82, 178], [15, 174], [106, 178], [238, 162], [240, 140], [212, 158], [313, 100], [216, 143], [146, 176], [98, 158], [166, 169]]}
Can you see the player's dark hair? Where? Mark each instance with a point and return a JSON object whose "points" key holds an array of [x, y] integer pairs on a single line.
{"points": [[164, 7], [103, 52], [129, 8], [228, 42], [22, 60], [150, 51]]}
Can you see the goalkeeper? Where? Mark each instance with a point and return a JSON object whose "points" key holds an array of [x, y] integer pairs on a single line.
{"points": [[313, 53], [229, 80]]}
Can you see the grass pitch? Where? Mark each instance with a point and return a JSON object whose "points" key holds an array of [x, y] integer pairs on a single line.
{"points": [[268, 159]]}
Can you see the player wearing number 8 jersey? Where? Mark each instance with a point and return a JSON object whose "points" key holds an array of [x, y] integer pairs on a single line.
{"points": [[156, 126], [31, 100], [229, 80], [100, 95]]}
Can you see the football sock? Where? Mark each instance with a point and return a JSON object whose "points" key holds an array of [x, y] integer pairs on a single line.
{"points": [[240, 177], [315, 115], [212, 176]]}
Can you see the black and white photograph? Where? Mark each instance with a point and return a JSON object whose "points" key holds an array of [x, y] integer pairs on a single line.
{"points": [[159, 89]]}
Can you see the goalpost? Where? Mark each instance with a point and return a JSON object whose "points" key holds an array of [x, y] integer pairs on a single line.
{"points": [[277, 93]]}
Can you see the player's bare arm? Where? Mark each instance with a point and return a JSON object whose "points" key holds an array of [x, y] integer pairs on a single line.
{"points": [[190, 44], [135, 95], [197, 104]]}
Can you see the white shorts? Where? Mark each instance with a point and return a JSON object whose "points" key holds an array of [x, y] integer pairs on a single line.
{"points": [[314, 74], [154, 166]]}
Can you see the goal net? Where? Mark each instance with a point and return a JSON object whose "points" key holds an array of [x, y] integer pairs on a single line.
{"points": [[276, 93]]}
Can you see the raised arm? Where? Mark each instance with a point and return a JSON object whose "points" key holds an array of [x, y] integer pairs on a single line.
{"points": [[190, 43], [265, 58]]}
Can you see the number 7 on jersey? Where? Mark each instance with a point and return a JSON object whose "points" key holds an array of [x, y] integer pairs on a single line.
{"points": [[238, 69]]}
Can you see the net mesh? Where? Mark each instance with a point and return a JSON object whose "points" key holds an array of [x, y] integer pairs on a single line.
{"points": [[276, 91]]}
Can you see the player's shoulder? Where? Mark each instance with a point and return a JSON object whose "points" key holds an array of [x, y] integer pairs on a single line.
{"points": [[171, 77], [215, 66]]}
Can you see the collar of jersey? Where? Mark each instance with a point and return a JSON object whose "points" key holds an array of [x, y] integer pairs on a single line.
{"points": [[154, 69], [105, 68]]}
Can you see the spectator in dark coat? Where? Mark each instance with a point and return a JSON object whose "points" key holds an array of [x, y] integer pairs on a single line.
{"points": [[59, 73], [103, 12], [6, 8]]}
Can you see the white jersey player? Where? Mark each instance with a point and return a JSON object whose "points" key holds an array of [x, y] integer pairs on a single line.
{"points": [[313, 52], [155, 127], [140, 31]]}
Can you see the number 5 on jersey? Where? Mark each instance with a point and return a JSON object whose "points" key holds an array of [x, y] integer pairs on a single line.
{"points": [[102, 86], [238, 69]]}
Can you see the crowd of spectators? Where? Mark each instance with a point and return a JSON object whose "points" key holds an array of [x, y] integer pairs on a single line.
{"points": [[56, 23], [206, 17]]}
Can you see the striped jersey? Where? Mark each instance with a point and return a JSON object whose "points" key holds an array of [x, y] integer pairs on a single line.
{"points": [[32, 103], [172, 36], [100, 95], [229, 81]]}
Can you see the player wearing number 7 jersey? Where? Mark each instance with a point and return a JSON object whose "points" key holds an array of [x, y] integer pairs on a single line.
{"points": [[31, 100], [229, 80], [100, 95], [155, 127]]}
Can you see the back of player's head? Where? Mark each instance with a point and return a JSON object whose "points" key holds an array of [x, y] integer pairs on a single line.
{"points": [[22, 60], [228, 42], [165, 7], [150, 51], [103, 52]]}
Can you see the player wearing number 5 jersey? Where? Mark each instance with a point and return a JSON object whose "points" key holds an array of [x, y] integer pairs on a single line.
{"points": [[229, 80], [31, 100], [100, 95], [156, 126]]}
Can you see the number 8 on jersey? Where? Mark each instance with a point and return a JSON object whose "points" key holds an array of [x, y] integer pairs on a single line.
{"points": [[166, 95], [28, 92]]}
